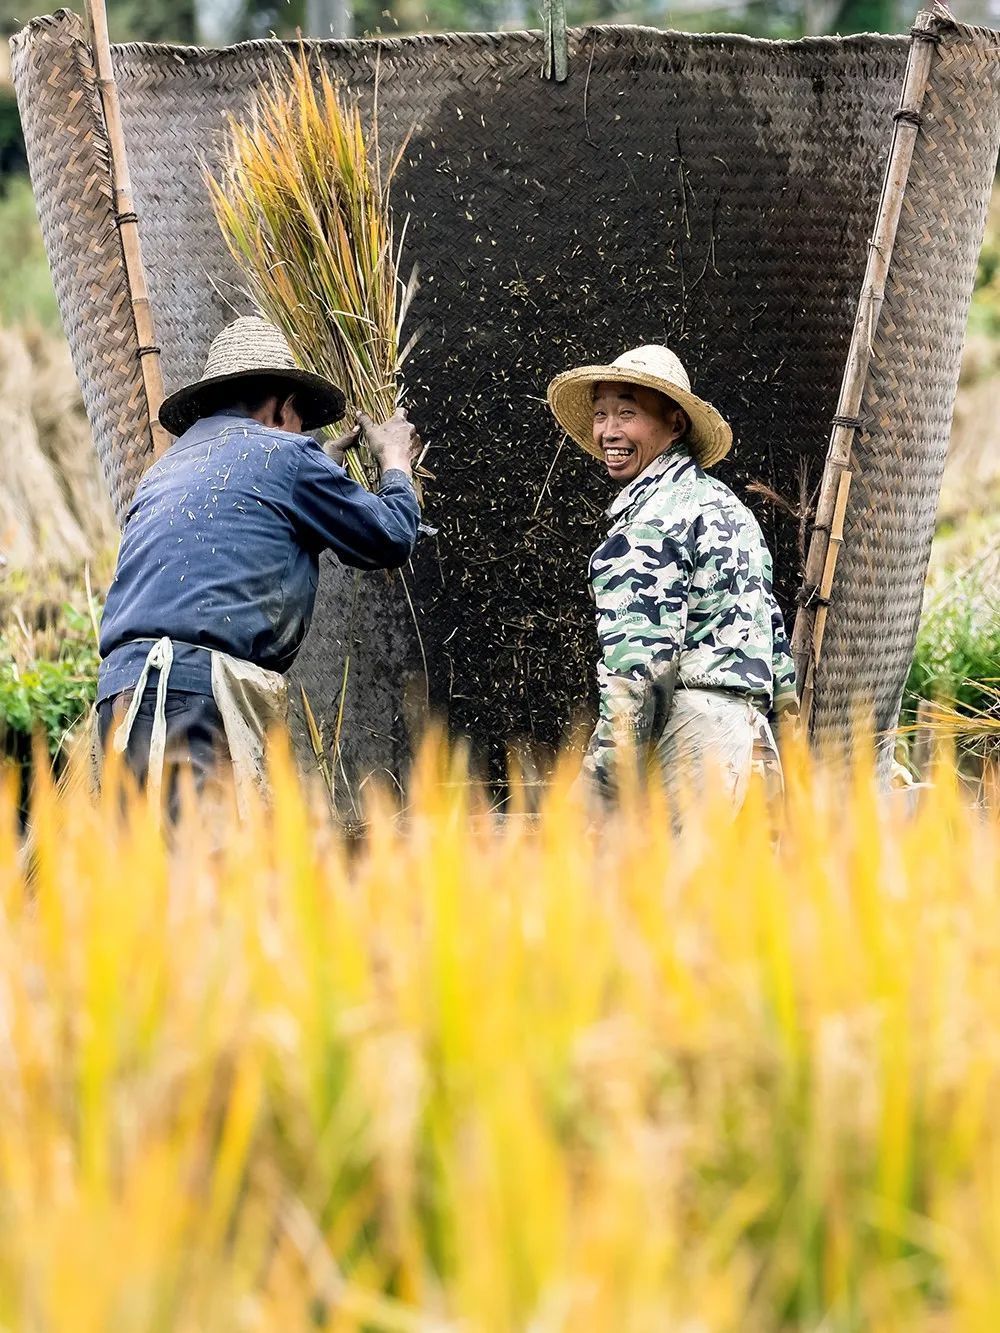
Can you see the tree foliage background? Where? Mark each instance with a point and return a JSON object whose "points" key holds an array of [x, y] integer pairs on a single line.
{"points": [[234, 20]]}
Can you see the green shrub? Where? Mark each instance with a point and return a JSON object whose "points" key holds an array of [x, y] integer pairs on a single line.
{"points": [[45, 695], [957, 657]]}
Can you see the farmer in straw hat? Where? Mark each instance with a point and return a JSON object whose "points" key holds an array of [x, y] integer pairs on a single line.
{"points": [[694, 655], [218, 566]]}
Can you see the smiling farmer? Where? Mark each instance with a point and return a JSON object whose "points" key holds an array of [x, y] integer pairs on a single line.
{"points": [[219, 559], [694, 655]]}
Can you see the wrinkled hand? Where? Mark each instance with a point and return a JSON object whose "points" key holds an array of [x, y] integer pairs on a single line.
{"points": [[395, 444], [337, 449]]}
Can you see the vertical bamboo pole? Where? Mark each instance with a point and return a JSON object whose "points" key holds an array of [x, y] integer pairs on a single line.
{"points": [[828, 530], [128, 224], [556, 66]]}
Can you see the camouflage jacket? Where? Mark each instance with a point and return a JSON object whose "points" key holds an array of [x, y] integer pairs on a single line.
{"points": [[683, 589]]}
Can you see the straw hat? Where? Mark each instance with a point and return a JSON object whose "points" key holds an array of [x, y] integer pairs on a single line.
{"points": [[248, 349], [571, 399]]}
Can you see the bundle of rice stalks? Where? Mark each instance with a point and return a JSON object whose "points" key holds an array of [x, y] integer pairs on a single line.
{"points": [[303, 205], [38, 523]]}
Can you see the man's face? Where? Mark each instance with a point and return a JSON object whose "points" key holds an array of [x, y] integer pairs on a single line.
{"points": [[632, 426]]}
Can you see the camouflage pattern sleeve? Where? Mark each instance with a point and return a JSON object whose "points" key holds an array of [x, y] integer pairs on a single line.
{"points": [[786, 698], [640, 579]]}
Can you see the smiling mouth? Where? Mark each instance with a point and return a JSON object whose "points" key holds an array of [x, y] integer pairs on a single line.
{"points": [[617, 455]]}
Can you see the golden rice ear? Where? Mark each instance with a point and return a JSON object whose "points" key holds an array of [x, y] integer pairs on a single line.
{"points": [[269, 1044], [303, 206]]}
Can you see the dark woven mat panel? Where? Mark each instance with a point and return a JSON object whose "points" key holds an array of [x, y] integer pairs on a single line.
{"points": [[69, 161], [714, 193], [907, 406]]}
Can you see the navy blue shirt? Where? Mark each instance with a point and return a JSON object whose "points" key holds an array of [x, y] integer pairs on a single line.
{"points": [[221, 549]]}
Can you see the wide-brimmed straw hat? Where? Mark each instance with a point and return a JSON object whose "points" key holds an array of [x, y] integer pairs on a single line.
{"points": [[571, 397], [248, 349]]}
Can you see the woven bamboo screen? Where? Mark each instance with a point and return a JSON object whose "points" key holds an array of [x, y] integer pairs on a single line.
{"points": [[715, 193]]}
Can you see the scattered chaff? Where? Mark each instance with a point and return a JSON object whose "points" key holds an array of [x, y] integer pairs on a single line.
{"points": [[548, 476]]}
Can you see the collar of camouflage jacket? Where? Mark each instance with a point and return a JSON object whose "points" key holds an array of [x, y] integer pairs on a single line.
{"points": [[665, 468]]}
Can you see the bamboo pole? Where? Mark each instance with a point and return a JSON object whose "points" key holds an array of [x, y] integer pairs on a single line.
{"points": [[828, 529], [128, 224], [556, 66], [832, 554]]}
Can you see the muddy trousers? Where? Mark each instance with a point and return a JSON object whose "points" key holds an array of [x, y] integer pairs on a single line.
{"points": [[712, 739], [195, 738], [247, 701], [719, 737]]}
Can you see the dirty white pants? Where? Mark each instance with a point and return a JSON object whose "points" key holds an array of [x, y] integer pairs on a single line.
{"points": [[718, 737]]}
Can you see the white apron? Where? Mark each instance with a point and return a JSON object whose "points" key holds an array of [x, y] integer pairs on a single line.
{"points": [[250, 699]]}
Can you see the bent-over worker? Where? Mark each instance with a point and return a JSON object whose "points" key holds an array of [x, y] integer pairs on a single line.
{"points": [[694, 656], [219, 561]]}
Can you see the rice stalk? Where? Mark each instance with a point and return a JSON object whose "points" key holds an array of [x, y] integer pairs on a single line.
{"points": [[315, 733], [951, 727], [304, 208], [476, 1075], [951, 723]]}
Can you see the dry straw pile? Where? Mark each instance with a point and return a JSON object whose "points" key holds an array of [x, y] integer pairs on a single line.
{"points": [[54, 510], [477, 1078], [303, 204]]}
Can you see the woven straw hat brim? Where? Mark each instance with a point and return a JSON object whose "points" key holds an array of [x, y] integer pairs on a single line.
{"points": [[570, 398], [325, 403]]}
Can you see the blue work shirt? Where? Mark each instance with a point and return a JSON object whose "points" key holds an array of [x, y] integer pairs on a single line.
{"points": [[221, 549]]}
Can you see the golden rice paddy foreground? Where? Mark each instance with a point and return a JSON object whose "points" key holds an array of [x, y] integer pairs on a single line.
{"points": [[471, 1077]]}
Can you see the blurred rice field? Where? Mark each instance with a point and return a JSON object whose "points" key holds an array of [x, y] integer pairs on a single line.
{"points": [[483, 1076]]}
